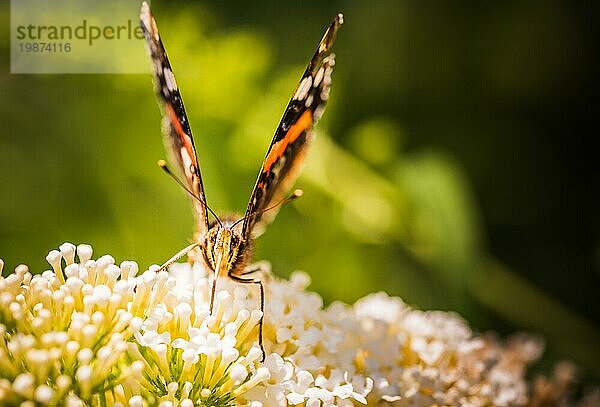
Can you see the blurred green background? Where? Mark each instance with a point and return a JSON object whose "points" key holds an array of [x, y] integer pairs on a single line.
{"points": [[452, 167]]}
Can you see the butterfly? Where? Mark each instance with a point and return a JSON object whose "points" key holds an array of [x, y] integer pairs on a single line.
{"points": [[226, 245]]}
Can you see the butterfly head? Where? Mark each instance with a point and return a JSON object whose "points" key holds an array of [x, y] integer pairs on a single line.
{"points": [[222, 248]]}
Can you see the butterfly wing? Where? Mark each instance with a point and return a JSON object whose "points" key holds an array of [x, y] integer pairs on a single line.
{"points": [[176, 127], [293, 135]]}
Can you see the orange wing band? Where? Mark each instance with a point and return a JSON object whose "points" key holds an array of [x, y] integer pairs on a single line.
{"points": [[185, 138], [303, 123]]}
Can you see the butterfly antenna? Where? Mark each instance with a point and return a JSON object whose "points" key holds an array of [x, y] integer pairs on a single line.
{"points": [[163, 165], [295, 195]]}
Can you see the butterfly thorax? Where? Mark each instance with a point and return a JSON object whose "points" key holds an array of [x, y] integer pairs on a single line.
{"points": [[224, 250]]}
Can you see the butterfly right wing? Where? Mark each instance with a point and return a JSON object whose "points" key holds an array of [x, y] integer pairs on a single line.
{"points": [[293, 135], [176, 127]]}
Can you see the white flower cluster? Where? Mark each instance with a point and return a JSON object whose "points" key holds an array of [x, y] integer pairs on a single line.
{"points": [[90, 332], [381, 351], [64, 333], [190, 355], [93, 333], [433, 358]]}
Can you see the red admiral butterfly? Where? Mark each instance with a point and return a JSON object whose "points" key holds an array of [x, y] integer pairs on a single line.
{"points": [[226, 244]]}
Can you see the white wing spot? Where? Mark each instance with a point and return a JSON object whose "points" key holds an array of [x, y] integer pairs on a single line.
{"points": [[187, 163], [330, 60], [148, 21], [169, 79], [318, 112], [318, 77], [157, 65], [303, 88], [309, 101], [327, 76], [145, 15]]}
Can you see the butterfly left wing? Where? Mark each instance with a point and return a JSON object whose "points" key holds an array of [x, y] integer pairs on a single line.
{"points": [[293, 135], [176, 127]]}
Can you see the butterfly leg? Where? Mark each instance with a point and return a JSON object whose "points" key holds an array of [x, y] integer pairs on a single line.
{"points": [[179, 255], [262, 306], [212, 293]]}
